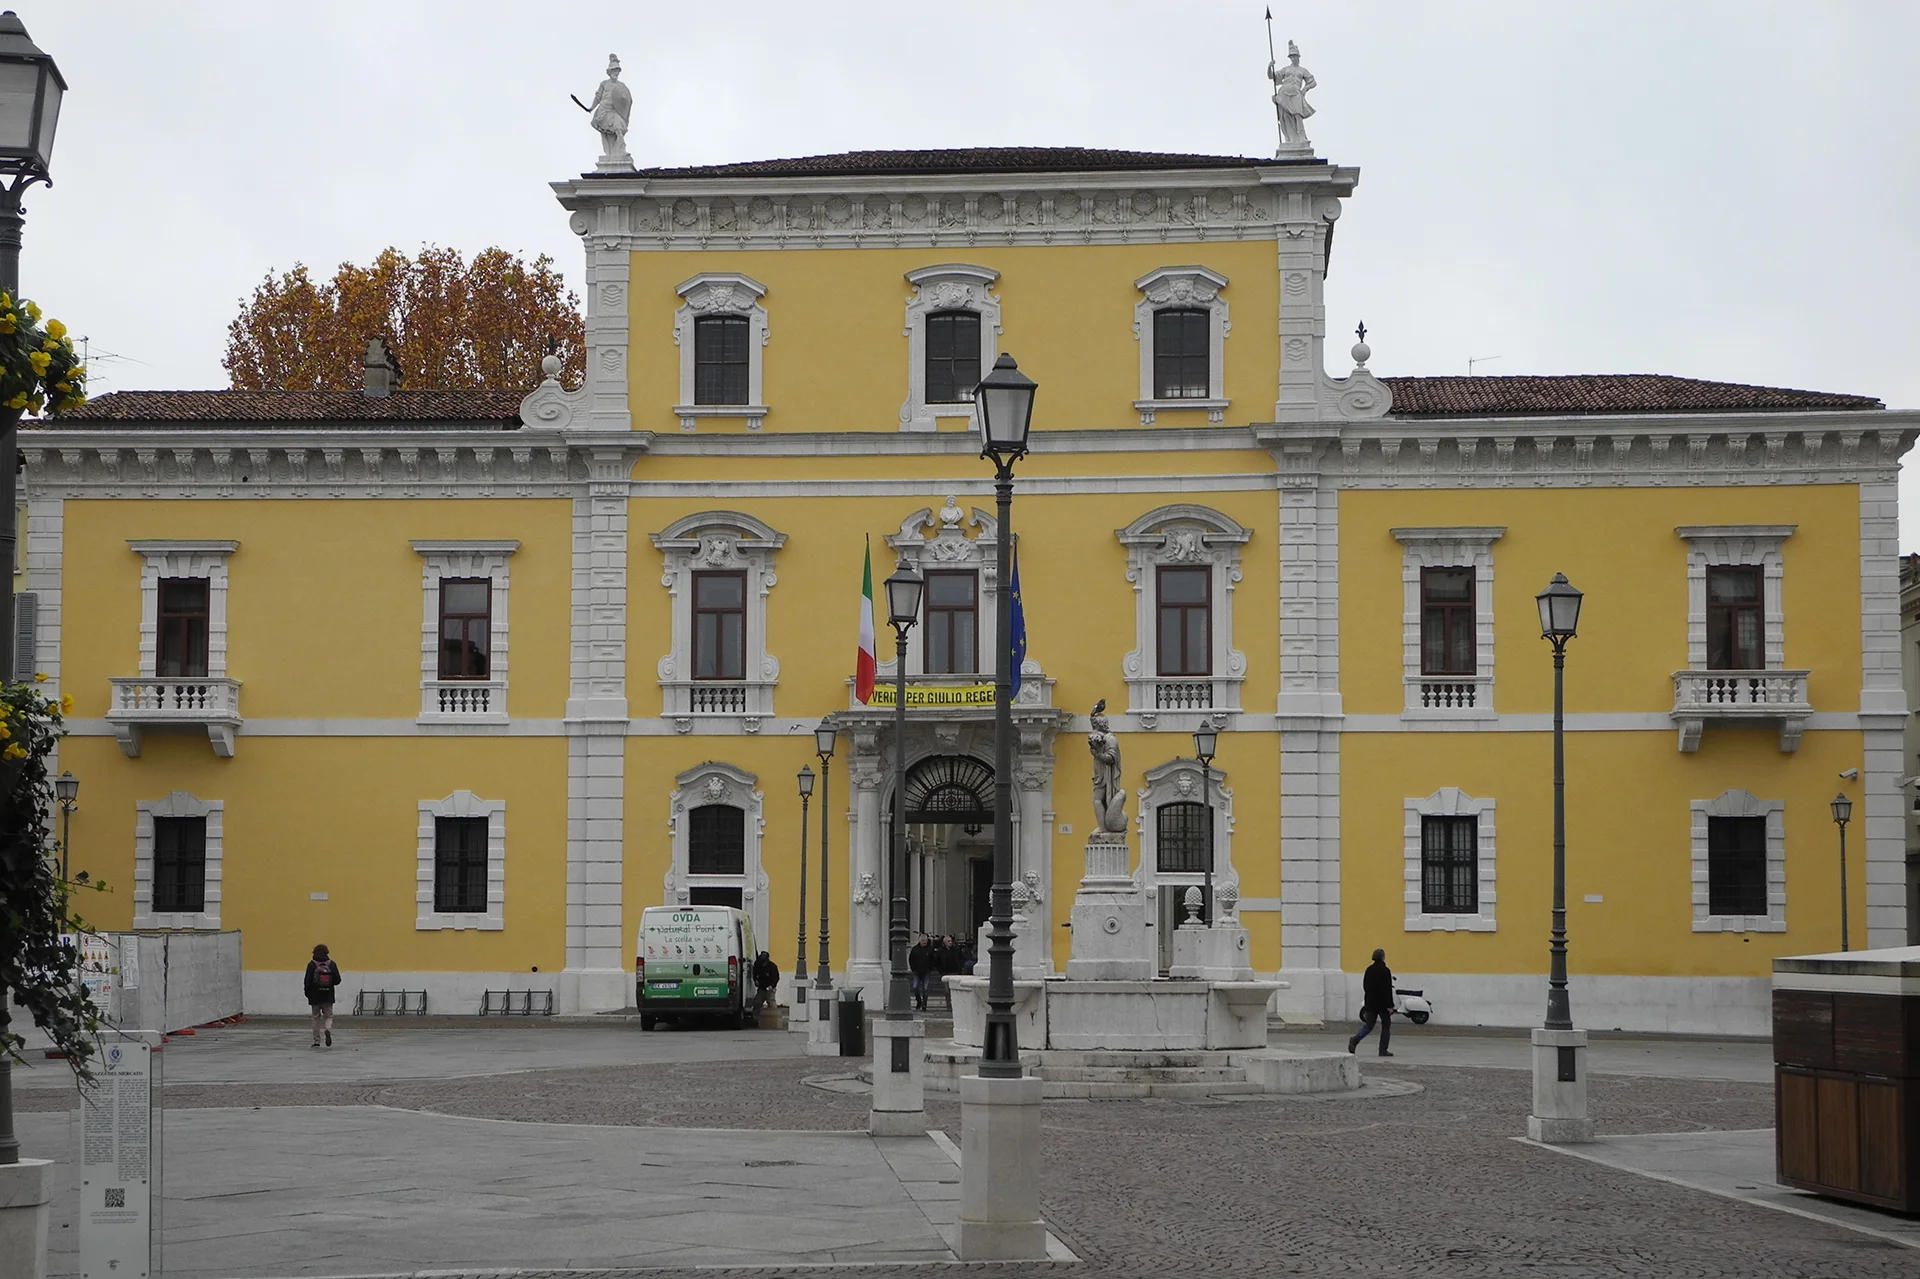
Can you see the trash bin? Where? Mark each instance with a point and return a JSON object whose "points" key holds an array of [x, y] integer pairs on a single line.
{"points": [[853, 1023]]}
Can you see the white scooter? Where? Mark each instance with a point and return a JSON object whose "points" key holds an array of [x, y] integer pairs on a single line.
{"points": [[1413, 1005]]}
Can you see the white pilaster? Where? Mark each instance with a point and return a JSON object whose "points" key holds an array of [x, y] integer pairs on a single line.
{"points": [[1882, 715], [596, 977], [866, 834]]}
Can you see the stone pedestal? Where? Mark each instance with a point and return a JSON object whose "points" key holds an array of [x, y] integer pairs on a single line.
{"points": [[1029, 964], [1000, 1162], [823, 1022], [26, 1190], [1211, 954], [899, 1107], [1111, 940], [799, 1001], [1560, 1088]]}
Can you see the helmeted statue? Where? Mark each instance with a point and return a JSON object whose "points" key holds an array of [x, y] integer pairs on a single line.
{"points": [[612, 108], [1109, 793], [1290, 86]]}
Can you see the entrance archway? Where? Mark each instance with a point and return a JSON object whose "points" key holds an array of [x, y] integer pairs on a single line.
{"points": [[949, 803]]}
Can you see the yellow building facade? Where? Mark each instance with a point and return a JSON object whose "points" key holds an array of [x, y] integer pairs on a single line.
{"points": [[460, 682]]}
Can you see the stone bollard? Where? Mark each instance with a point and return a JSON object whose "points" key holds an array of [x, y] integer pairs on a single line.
{"points": [[26, 1191]]}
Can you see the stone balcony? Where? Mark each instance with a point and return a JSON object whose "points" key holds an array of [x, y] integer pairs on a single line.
{"points": [[143, 704], [463, 701], [1740, 699]]}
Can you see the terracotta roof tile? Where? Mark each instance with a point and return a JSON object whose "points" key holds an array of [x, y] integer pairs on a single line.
{"points": [[1600, 393], [960, 160], [299, 408]]}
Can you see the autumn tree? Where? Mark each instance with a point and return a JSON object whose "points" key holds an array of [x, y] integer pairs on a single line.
{"points": [[448, 322]]}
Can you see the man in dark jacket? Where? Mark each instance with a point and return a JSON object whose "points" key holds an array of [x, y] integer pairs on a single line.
{"points": [[1376, 989], [920, 963], [322, 982], [766, 976]]}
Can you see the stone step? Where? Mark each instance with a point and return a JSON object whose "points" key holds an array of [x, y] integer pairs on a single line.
{"points": [[1186, 1059], [1143, 1074], [1069, 1090]]}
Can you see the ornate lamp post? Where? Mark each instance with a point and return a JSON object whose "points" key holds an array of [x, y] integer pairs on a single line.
{"points": [[1204, 741], [31, 89], [903, 610], [823, 971], [800, 963], [999, 1218], [1559, 1082], [1003, 406], [1842, 814], [66, 789]]}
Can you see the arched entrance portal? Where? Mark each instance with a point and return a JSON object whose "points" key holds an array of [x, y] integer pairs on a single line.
{"points": [[949, 803]]}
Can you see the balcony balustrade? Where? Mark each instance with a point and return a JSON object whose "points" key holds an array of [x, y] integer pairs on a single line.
{"points": [[1740, 698], [144, 703]]}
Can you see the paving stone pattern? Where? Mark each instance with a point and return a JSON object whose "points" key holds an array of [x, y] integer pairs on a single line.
{"points": [[1428, 1183]]}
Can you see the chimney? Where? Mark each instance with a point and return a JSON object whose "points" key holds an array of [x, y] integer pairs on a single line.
{"points": [[381, 376]]}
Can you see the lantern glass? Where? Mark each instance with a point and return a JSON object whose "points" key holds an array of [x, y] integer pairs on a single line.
{"points": [[1204, 740], [66, 788], [903, 596], [1842, 809], [823, 740], [806, 781], [1559, 609], [31, 88], [1003, 407]]}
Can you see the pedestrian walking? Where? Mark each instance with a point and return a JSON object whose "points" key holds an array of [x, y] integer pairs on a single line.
{"points": [[920, 963], [766, 976], [323, 980], [1376, 1004]]}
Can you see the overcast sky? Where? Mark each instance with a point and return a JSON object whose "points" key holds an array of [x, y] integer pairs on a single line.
{"points": [[1715, 190]]}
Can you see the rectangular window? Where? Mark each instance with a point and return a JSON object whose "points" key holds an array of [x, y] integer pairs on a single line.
{"points": [[1447, 644], [1181, 370], [459, 865], [714, 895], [466, 627], [719, 625], [1735, 634], [1181, 837], [179, 865], [1185, 606], [1449, 866], [720, 359], [1736, 866], [183, 627], [717, 840], [953, 356], [952, 622]]}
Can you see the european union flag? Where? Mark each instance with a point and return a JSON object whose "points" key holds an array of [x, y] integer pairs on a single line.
{"points": [[1019, 625]]}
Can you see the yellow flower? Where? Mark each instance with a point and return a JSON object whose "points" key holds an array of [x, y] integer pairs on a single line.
{"points": [[39, 679], [77, 372], [7, 322], [55, 329], [33, 309], [15, 751], [18, 402], [66, 703], [5, 732], [39, 360]]}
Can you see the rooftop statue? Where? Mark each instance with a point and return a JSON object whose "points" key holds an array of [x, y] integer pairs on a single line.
{"points": [[611, 109], [1290, 85]]}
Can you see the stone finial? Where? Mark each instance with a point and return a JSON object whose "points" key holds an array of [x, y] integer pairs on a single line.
{"points": [[380, 373], [1361, 351], [550, 366], [1192, 901], [1227, 898]]}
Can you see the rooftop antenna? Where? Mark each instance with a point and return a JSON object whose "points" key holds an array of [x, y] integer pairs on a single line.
{"points": [[1478, 359]]}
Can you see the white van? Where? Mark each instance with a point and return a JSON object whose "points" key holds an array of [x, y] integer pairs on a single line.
{"points": [[693, 961]]}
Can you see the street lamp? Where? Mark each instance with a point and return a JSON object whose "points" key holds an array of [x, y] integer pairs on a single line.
{"points": [[903, 610], [1842, 813], [1204, 741], [800, 964], [31, 88], [1003, 407], [1559, 618], [823, 972]]}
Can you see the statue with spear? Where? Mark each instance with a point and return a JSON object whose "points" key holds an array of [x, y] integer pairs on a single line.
{"points": [[1290, 86]]}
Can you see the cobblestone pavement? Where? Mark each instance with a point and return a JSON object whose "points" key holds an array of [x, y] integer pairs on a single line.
{"points": [[1430, 1183]]}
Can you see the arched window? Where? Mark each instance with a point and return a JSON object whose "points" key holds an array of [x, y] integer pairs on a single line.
{"points": [[1180, 354]]}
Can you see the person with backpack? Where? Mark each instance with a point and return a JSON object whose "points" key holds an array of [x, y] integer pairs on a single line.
{"points": [[323, 980]]}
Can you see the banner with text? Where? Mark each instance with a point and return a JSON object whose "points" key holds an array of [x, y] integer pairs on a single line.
{"points": [[935, 695]]}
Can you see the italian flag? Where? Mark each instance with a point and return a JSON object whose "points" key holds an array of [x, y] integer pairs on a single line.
{"points": [[864, 665]]}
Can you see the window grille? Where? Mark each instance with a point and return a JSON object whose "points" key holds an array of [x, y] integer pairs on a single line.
{"points": [[1181, 367], [1181, 837], [1736, 865], [179, 865], [1449, 865], [720, 359], [459, 865]]}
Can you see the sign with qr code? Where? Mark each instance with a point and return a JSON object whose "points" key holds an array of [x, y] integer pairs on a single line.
{"points": [[118, 1173]]}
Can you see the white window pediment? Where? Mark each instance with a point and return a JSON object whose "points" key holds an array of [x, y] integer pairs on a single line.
{"points": [[1456, 696], [716, 783], [730, 541], [1740, 803], [1183, 534], [462, 803], [1450, 801], [950, 287], [1182, 288], [721, 293], [464, 701], [178, 804]]}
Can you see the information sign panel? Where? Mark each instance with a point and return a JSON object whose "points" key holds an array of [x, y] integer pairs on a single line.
{"points": [[117, 1167]]}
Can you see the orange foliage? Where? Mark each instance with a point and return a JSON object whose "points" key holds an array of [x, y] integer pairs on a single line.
{"points": [[449, 323]]}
